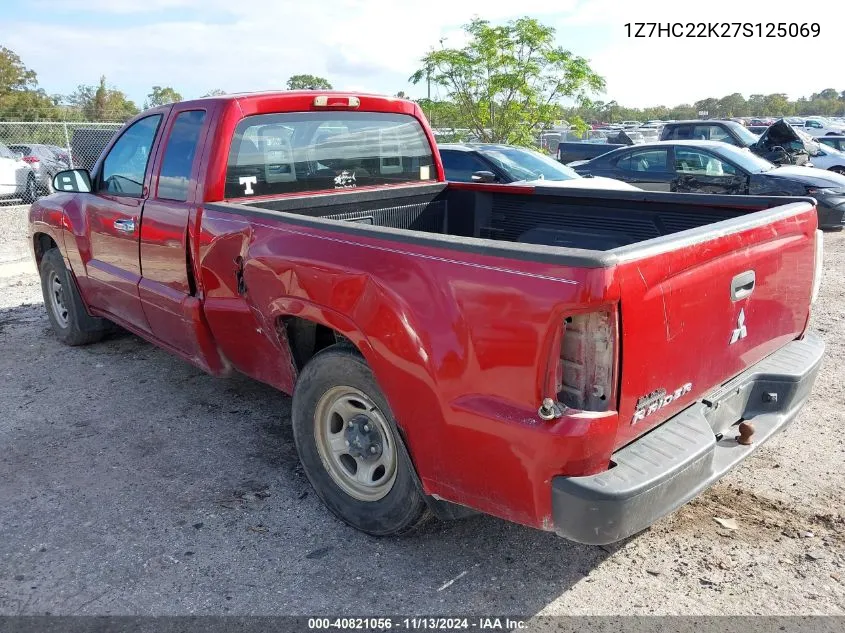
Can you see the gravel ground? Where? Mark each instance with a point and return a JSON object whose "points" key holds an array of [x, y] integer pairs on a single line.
{"points": [[131, 483]]}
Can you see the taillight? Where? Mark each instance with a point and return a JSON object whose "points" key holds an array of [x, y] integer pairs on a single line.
{"points": [[32, 160], [586, 360]]}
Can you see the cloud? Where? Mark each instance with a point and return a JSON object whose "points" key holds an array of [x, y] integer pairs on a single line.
{"points": [[196, 45]]}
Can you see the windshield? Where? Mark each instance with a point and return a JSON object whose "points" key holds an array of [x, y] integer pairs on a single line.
{"points": [[745, 159], [525, 164], [742, 133]]}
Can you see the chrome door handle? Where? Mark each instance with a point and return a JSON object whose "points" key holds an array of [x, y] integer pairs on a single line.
{"points": [[743, 285], [125, 226]]}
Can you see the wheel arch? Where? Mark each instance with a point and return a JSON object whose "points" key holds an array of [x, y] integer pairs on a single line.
{"points": [[300, 325], [41, 243]]}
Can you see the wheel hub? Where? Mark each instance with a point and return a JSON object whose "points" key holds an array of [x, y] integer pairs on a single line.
{"points": [[355, 444], [365, 441]]}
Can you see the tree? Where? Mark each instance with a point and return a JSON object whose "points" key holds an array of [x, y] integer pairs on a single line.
{"points": [[13, 74], [102, 103], [828, 93], [215, 92], [732, 105], [162, 96], [709, 105], [507, 80], [20, 97], [777, 104], [308, 82]]}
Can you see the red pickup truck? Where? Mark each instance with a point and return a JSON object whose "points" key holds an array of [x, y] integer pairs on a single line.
{"points": [[576, 361]]}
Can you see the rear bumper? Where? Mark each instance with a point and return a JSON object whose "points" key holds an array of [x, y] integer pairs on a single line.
{"points": [[670, 465]]}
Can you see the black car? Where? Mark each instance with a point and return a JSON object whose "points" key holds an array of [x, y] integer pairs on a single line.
{"points": [[725, 131], [716, 167], [836, 142]]}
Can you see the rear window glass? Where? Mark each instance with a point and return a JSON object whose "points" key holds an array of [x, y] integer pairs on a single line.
{"points": [[313, 151]]}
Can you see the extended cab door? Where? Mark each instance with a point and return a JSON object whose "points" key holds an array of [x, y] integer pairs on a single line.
{"points": [[699, 171], [167, 288], [113, 214]]}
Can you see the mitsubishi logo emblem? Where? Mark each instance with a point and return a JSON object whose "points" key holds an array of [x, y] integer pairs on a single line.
{"points": [[741, 331]]}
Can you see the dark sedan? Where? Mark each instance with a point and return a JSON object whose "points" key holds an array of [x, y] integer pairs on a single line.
{"points": [[714, 167]]}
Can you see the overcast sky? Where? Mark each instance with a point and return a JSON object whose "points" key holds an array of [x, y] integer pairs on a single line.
{"points": [[375, 45]]}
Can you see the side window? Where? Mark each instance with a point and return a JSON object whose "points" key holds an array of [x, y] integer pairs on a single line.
{"points": [[682, 133], [649, 160], [698, 163], [5, 152], [125, 165], [178, 161], [812, 123], [459, 166], [716, 133]]}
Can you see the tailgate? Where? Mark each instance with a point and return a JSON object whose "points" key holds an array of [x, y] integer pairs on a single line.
{"points": [[701, 306]]}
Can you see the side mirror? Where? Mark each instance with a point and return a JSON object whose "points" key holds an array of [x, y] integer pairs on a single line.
{"points": [[73, 181], [483, 176]]}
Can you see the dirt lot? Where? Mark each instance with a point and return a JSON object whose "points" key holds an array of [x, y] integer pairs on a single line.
{"points": [[131, 483]]}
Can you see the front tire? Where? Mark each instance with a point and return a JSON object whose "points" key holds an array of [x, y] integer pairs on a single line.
{"points": [[350, 448], [65, 309]]}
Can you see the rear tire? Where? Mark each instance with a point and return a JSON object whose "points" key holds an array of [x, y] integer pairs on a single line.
{"points": [[30, 193], [350, 448], [65, 309]]}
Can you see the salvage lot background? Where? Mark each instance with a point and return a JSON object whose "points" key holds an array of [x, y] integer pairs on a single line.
{"points": [[131, 483]]}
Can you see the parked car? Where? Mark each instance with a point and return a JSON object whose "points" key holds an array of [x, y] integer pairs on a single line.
{"points": [[505, 164], [819, 126], [44, 161], [724, 131], [836, 142], [784, 144], [609, 140], [17, 180], [719, 168], [450, 347], [829, 158], [62, 153]]}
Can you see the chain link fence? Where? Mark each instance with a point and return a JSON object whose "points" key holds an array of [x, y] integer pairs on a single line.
{"points": [[77, 144]]}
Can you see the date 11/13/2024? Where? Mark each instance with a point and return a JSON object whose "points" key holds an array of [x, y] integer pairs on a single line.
{"points": [[722, 29]]}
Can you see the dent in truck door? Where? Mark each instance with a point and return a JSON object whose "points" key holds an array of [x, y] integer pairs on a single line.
{"points": [[166, 288], [113, 214]]}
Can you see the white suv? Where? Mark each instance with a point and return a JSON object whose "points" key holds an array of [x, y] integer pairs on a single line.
{"points": [[17, 180]]}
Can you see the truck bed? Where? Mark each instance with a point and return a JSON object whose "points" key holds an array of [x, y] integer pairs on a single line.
{"points": [[570, 222]]}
